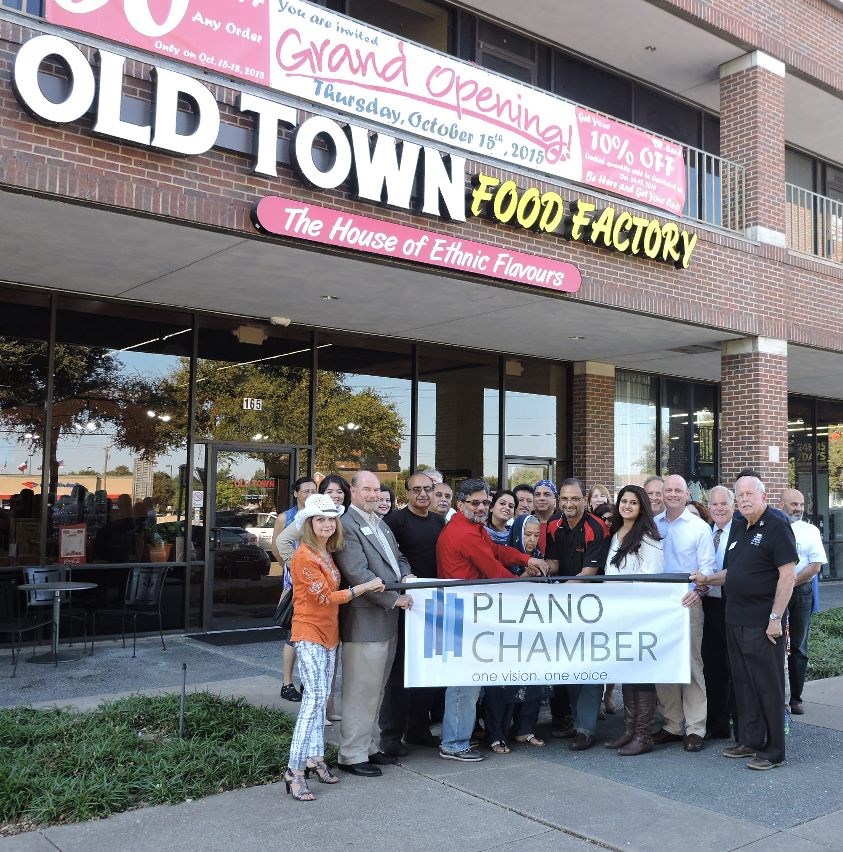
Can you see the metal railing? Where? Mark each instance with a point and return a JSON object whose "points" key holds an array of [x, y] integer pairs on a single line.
{"points": [[716, 192], [814, 223]]}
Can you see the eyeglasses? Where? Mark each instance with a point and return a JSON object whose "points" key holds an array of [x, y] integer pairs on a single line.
{"points": [[477, 503], [422, 489]]}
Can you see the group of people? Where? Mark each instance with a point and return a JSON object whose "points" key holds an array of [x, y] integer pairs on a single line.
{"points": [[351, 565]]}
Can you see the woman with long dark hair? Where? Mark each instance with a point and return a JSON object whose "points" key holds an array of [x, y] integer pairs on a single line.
{"points": [[501, 513], [635, 548]]}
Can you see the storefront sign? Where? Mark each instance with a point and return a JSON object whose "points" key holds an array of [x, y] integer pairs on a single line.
{"points": [[306, 51], [532, 209], [290, 218], [376, 167], [519, 634]]}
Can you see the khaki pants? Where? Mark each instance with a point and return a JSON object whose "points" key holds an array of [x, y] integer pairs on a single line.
{"points": [[687, 701], [365, 668]]}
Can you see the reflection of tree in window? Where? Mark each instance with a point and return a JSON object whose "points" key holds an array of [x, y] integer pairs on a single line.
{"points": [[90, 387], [283, 418]]}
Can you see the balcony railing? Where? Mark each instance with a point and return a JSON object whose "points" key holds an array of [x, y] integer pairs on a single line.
{"points": [[814, 223], [716, 190]]}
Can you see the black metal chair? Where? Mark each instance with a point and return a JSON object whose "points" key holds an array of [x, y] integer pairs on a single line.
{"points": [[144, 593], [36, 602], [15, 622]]}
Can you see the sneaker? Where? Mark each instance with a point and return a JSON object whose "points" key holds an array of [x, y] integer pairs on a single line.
{"points": [[290, 693], [761, 763], [738, 751], [468, 755]]}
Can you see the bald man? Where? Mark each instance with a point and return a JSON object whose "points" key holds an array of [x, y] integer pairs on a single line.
{"points": [[809, 546], [688, 548]]}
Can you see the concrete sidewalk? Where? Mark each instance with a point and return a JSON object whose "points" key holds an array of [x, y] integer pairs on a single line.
{"points": [[548, 798]]}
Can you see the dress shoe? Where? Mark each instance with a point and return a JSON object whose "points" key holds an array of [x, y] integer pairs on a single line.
{"points": [[797, 708], [663, 737], [364, 770], [422, 738], [581, 742], [693, 742], [738, 751], [395, 748], [381, 759]]}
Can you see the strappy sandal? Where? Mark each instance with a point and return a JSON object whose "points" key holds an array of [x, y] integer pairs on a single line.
{"points": [[321, 771], [531, 739], [297, 787], [500, 747]]}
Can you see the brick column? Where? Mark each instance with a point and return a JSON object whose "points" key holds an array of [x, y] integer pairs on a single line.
{"points": [[594, 423], [753, 414], [752, 134]]}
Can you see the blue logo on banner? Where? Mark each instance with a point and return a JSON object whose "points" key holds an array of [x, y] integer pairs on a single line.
{"points": [[443, 625]]}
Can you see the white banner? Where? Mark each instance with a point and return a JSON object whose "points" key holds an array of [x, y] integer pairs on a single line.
{"points": [[523, 633]]}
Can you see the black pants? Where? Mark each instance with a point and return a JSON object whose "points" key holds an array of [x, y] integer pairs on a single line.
{"points": [[502, 713], [758, 679], [560, 703], [715, 657], [407, 710]]}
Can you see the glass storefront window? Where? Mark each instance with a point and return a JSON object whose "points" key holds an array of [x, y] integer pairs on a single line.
{"points": [[829, 509], [703, 467], [636, 400], [535, 421], [458, 404], [800, 449], [363, 407], [24, 332], [119, 432]]}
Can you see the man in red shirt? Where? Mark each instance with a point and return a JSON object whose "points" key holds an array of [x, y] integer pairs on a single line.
{"points": [[465, 551]]}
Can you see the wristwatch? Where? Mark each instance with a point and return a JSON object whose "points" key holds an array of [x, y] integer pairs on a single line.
{"points": [[774, 616]]}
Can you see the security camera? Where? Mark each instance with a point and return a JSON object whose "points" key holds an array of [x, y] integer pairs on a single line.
{"points": [[284, 321]]}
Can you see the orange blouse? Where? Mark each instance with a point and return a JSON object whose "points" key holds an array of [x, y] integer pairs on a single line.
{"points": [[316, 598]]}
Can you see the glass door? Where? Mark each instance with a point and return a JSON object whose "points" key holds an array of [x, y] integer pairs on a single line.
{"points": [[528, 470], [246, 486]]}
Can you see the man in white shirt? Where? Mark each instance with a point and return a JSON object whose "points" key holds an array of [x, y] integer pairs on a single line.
{"points": [[688, 547], [715, 655], [812, 557]]}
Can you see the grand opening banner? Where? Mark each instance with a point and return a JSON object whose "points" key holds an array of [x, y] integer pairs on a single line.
{"points": [[326, 59], [521, 633]]}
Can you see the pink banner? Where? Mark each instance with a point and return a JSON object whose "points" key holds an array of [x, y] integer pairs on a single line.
{"points": [[343, 65], [289, 218], [630, 162], [229, 37]]}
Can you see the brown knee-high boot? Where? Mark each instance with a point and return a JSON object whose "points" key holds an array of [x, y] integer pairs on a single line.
{"points": [[645, 711], [628, 719]]}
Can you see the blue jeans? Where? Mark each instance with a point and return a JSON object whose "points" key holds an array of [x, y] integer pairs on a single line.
{"points": [[460, 714], [585, 703], [799, 619]]}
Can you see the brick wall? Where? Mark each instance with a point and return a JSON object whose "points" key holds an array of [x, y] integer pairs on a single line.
{"points": [[804, 34], [753, 416], [593, 417], [752, 134]]}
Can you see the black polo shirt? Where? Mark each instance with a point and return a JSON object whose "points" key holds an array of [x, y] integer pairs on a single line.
{"points": [[753, 556], [584, 546], [417, 537]]}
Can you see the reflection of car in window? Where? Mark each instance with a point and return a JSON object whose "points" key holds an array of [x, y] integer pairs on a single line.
{"points": [[263, 531]]}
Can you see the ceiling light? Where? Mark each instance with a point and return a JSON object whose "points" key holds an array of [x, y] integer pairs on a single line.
{"points": [[576, 337], [651, 48], [330, 298]]}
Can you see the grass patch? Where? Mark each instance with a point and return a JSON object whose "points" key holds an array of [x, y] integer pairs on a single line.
{"points": [[61, 766], [825, 645]]}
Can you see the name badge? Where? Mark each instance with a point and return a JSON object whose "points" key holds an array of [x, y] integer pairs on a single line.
{"points": [[366, 530]]}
